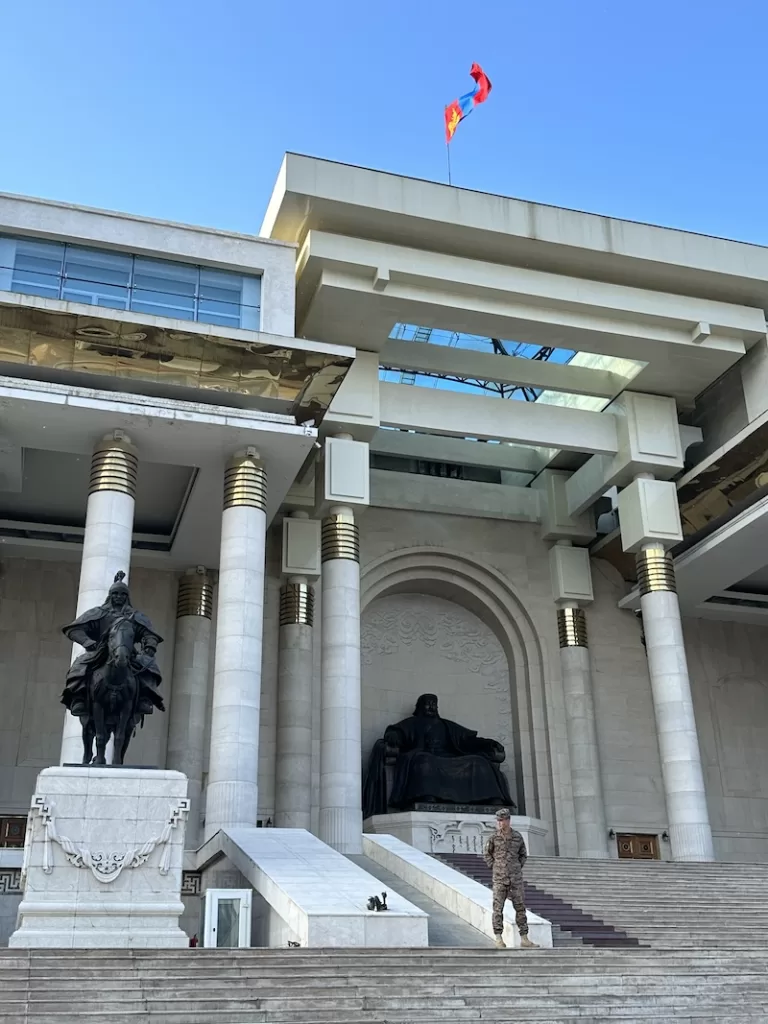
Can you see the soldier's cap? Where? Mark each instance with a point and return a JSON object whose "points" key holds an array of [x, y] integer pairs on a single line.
{"points": [[503, 812]]}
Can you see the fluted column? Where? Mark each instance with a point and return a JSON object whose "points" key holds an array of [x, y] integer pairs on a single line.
{"points": [[341, 822], [106, 545], [232, 790], [189, 689], [293, 768], [690, 834], [588, 800]]}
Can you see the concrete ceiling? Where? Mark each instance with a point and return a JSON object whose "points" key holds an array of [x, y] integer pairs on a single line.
{"points": [[174, 440]]}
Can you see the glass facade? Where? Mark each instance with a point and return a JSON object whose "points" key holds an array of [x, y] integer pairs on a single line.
{"points": [[100, 277]]}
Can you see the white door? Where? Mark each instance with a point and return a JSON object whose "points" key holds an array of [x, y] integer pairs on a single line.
{"points": [[227, 918]]}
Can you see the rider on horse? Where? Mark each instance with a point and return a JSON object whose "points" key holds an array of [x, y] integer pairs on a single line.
{"points": [[91, 631]]}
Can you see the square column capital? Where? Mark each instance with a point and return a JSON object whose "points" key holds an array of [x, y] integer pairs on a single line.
{"points": [[342, 475], [571, 574], [301, 547], [648, 513]]}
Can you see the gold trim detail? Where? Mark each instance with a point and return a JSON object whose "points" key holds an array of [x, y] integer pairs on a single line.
{"points": [[114, 467], [572, 627], [179, 355], [655, 571], [245, 483], [339, 538], [195, 595], [297, 604]]}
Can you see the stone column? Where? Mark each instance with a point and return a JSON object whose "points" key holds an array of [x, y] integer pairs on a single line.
{"points": [[293, 768], [232, 791], [106, 545], [690, 834], [189, 689], [588, 802], [341, 820]]}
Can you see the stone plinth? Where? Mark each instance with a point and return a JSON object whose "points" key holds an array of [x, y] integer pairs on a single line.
{"points": [[445, 832], [103, 859]]}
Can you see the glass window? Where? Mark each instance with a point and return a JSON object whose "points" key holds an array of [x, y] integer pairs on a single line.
{"points": [[97, 277], [37, 268], [100, 277], [220, 298], [164, 289]]}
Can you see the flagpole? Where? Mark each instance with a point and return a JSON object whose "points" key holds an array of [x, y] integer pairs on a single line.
{"points": [[448, 155]]}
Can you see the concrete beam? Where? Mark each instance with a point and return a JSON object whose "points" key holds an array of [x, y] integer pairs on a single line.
{"points": [[454, 497], [454, 414], [461, 362], [458, 450]]}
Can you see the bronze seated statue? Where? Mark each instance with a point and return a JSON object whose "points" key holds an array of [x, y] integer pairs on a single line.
{"points": [[436, 761]]}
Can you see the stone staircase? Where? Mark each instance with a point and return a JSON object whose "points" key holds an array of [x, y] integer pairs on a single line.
{"points": [[668, 905], [423, 986], [662, 904], [570, 924]]}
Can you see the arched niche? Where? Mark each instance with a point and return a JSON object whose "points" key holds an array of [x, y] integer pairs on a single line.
{"points": [[488, 595]]}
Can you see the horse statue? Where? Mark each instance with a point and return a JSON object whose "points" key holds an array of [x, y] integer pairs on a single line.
{"points": [[114, 684]]}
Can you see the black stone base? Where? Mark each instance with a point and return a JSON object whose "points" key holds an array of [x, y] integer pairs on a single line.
{"points": [[117, 767], [455, 808]]}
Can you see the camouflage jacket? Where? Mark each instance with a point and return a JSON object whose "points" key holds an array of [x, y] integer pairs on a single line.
{"points": [[506, 854]]}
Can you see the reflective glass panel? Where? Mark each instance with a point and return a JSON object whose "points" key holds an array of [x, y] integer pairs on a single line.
{"points": [[164, 289], [228, 924], [97, 277], [37, 268]]}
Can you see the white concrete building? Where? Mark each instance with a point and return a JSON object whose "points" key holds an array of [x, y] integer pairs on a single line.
{"points": [[307, 452]]}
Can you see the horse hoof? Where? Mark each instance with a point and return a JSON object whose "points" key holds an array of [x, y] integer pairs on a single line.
{"points": [[100, 760]]}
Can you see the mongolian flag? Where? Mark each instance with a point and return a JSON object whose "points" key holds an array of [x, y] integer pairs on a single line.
{"points": [[464, 105]]}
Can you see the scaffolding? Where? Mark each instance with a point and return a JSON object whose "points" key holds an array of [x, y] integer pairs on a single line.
{"points": [[456, 339]]}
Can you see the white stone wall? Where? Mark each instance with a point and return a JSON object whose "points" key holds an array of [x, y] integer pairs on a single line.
{"points": [[727, 663], [626, 726], [416, 643]]}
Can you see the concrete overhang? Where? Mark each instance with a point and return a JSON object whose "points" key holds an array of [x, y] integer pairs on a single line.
{"points": [[313, 194], [56, 418], [724, 513], [348, 306], [708, 574], [62, 342]]}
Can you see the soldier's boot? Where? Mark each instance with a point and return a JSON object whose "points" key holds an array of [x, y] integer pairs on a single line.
{"points": [[499, 941], [525, 943]]}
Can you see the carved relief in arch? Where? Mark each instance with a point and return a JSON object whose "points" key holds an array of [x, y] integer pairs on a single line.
{"points": [[488, 594]]}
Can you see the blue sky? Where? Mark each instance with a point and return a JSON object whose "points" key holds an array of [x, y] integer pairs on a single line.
{"points": [[637, 108]]}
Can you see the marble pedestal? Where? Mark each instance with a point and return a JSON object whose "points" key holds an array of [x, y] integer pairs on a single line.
{"points": [[443, 832], [103, 859]]}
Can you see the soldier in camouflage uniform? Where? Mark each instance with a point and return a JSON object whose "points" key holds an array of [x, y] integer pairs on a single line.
{"points": [[506, 854]]}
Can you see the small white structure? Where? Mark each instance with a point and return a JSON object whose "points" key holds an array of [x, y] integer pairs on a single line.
{"points": [[103, 859], [311, 893], [441, 832]]}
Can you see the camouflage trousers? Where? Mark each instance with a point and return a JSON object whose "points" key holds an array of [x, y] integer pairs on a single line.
{"points": [[514, 890]]}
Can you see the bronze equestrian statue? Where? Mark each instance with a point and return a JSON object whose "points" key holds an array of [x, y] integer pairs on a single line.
{"points": [[436, 761], [114, 684]]}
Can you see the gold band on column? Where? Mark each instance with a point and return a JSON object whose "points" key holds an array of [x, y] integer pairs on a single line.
{"points": [[572, 627], [297, 604], [655, 571], [339, 538], [195, 595], [114, 467], [245, 483]]}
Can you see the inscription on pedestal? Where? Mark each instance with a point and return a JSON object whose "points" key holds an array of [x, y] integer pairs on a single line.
{"points": [[456, 808]]}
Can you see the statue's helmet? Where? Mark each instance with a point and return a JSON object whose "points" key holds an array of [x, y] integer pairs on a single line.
{"points": [[425, 698], [119, 586]]}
